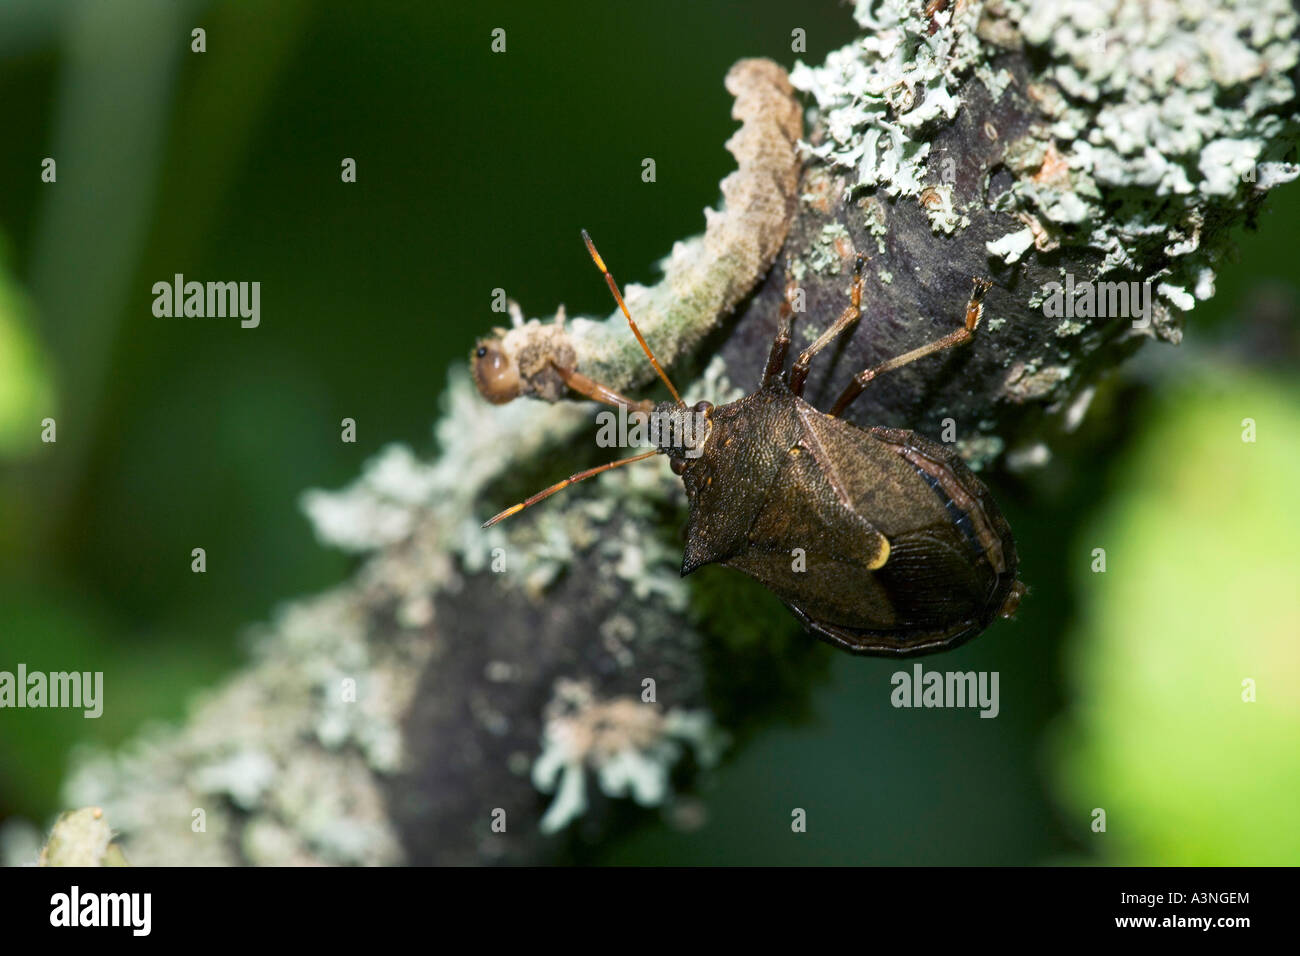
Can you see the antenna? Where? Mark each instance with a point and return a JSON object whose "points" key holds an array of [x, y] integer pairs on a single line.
{"points": [[561, 485], [613, 287]]}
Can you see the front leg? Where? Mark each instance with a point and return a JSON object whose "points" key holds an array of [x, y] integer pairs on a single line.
{"points": [[781, 344]]}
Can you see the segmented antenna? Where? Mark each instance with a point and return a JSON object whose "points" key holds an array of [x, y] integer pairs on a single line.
{"points": [[613, 287], [561, 485]]}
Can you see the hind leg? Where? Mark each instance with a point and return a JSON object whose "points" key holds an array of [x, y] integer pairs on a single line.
{"points": [[799, 371]]}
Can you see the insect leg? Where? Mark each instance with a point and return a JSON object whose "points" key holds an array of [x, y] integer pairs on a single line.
{"points": [[781, 344], [799, 371], [974, 309]]}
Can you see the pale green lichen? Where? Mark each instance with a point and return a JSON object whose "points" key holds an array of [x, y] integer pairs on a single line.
{"points": [[1012, 246], [536, 552], [414, 514], [396, 491], [825, 254], [1027, 381], [876, 221], [996, 82], [629, 745], [281, 765], [878, 94], [714, 385], [978, 451], [1170, 105], [938, 205]]}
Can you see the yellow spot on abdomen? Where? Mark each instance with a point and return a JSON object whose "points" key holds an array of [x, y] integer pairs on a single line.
{"points": [[881, 556]]}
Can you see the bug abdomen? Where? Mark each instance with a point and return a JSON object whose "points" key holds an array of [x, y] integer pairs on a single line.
{"points": [[947, 562], [946, 580]]}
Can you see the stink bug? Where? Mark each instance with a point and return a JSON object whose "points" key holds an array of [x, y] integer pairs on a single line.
{"points": [[902, 550]]}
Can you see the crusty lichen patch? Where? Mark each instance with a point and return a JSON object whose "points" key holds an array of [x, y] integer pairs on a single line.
{"points": [[937, 201], [1158, 119], [1150, 107], [878, 95], [629, 745], [277, 766], [1026, 382], [1161, 113]]}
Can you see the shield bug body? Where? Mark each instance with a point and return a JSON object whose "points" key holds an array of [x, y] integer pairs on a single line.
{"points": [[879, 540]]}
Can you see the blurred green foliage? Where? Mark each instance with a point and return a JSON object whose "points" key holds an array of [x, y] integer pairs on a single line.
{"points": [[1197, 613], [26, 393]]}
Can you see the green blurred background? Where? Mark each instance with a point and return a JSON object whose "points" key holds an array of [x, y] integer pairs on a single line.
{"points": [[1119, 690]]}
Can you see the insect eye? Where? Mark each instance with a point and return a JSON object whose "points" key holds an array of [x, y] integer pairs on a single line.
{"points": [[495, 375], [678, 465], [703, 408]]}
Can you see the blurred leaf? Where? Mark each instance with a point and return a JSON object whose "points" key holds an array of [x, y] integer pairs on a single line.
{"points": [[26, 393], [1198, 596]]}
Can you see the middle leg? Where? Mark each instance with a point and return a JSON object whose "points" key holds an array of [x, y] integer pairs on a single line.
{"points": [[974, 310]]}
